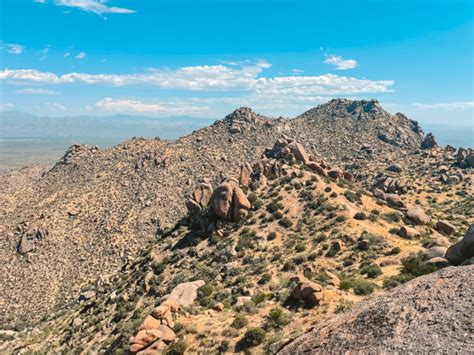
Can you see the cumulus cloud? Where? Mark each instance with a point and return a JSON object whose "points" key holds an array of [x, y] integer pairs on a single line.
{"points": [[135, 106], [36, 91], [81, 55], [212, 78], [446, 105], [95, 6], [340, 63]]}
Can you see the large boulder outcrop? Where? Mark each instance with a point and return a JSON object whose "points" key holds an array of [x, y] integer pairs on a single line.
{"points": [[430, 314], [462, 250], [228, 201]]}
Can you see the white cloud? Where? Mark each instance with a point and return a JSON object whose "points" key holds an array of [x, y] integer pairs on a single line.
{"points": [[67, 54], [340, 63], [15, 48], [446, 106], [213, 78], [6, 106], [135, 106], [297, 71], [81, 55], [37, 91], [56, 106], [96, 6], [40, 1]]}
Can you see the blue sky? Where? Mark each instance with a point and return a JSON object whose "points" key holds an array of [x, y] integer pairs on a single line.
{"points": [[205, 58]]}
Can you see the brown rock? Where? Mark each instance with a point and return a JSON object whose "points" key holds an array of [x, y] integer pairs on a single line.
{"points": [[317, 168], [245, 173], [167, 333], [221, 200], [156, 348], [172, 304], [408, 233], [417, 215], [241, 204], [335, 173], [462, 250], [219, 307], [394, 200], [144, 338], [149, 323], [159, 311], [379, 194], [298, 151], [445, 227]]}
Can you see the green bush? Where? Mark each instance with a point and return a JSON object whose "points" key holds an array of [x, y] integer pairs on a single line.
{"points": [[372, 271], [360, 216], [415, 266], [240, 321], [277, 318], [362, 287], [178, 347], [285, 222], [254, 337]]}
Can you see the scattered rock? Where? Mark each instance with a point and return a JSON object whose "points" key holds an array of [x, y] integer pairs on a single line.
{"points": [[445, 227], [408, 233], [417, 215]]}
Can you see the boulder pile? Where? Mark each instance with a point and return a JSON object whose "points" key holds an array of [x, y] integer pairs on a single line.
{"points": [[291, 151], [309, 292], [465, 157], [156, 331], [227, 201]]}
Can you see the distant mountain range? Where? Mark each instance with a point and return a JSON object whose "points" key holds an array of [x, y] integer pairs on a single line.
{"points": [[14, 124]]}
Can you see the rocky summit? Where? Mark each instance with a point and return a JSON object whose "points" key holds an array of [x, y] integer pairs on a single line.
{"points": [[241, 236]]}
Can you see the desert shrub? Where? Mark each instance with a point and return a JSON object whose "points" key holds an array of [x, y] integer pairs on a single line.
{"points": [[394, 251], [178, 347], [240, 321], [265, 279], [391, 217], [415, 266], [271, 236], [254, 337], [277, 318], [372, 271], [252, 197], [158, 267], [285, 222], [362, 287], [259, 298], [353, 196], [360, 216]]}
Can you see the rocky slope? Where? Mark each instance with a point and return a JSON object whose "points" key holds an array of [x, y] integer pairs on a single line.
{"points": [[109, 203], [265, 253], [431, 314]]}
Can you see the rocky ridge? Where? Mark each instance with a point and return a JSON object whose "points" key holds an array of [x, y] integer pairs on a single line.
{"points": [[280, 245]]}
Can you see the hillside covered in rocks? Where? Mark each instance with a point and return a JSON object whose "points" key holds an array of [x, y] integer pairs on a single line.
{"points": [[109, 203], [262, 252]]}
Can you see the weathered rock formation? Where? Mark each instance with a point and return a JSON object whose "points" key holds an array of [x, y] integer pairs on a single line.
{"points": [[431, 314], [462, 250]]}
